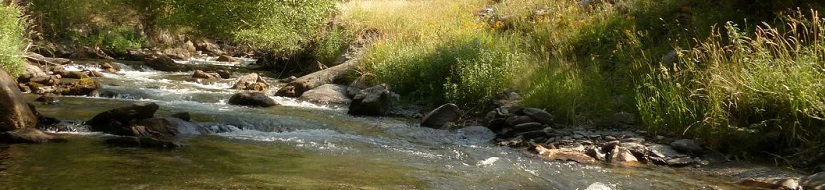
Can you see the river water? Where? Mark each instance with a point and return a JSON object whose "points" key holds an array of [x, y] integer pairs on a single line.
{"points": [[294, 146]]}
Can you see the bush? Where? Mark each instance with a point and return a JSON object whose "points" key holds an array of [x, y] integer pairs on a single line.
{"points": [[332, 45], [12, 30]]}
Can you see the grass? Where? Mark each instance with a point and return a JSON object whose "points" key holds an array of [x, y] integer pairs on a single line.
{"points": [[584, 63], [12, 31]]}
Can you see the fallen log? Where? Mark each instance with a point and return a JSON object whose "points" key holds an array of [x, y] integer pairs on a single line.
{"points": [[327, 76]]}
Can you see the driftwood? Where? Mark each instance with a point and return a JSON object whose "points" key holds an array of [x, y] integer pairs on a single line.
{"points": [[307, 82]]}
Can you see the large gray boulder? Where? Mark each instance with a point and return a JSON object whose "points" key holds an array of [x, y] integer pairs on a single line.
{"points": [[118, 121], [441, 116], [373, 101], [255, 99], [327, 94], [14, 113]]}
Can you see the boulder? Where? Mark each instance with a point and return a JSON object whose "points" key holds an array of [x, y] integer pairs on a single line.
{"points": [[182, 115], [14, 113], [373, 101], [117, 121], [165, 63], [251, 81], [524, 127], [688, 146], [226, 58], [49, 80], [564, 155], [109, 68], [539, 115], [441, 116], [81, 87], [31, 71], [327, 94], [28, 135], [516, 120], [252, 99], [166, 128], [205, 75], [772, 183]]}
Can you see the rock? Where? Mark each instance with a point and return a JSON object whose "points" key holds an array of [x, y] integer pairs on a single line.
{"points": [[223, 73], [327, 94], [363, 82], [182, 115], [687, 146], [45, 80], [476, 134], [141, 142], [208, 47], [564, 155], [74, 75], [226, 58], [516, 120], [596, 153], [82, 87], [374, 101], [116, 121], [177, 53], [539, 115], [623, 157], [251, 81], [47, 99], [204, 75], [442, 115], [109, 68], [252, 99], [679, 162], [28, 135], [165, 63], [95, 73], [32, 71], [815, 181], [14, 113], [663, 151], [524, 127], [532, 134], [166, 128], [772, 183]]}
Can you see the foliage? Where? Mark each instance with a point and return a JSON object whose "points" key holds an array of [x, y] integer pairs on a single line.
{"points": [[12, 30], [332, 45]]}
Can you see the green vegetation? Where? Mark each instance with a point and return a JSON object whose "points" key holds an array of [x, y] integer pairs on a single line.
{"points": [[279, 26], [12, 30], [586, 62]]}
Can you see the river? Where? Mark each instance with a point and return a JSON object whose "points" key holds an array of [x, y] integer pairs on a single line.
{"points": [[294, 146]]}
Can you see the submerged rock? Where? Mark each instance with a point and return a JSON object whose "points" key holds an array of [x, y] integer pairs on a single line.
{"points": [[327, 94], [14, 113], [28, 135], [252, 99], [441, 116], [373, 101]]}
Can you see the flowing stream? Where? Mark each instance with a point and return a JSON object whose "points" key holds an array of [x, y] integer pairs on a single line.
{"points": [[294, 146]]}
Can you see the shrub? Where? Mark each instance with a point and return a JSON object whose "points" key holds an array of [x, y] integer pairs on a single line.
{"points": [[12, 30]]}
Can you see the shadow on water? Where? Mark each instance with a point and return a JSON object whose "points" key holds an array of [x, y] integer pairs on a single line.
{"points": [[205, 163]]}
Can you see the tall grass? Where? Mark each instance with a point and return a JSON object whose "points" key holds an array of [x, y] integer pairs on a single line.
{"points": [[436, 51], [766, 83], [12, 30]]}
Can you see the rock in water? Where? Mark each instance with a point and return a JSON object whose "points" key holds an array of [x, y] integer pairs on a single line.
{"points": [[252, 99], [14, 113], [327, 94], [623, 157], [116, 121], [226, 58], [442, 115], [28, 135], [564, 155], [251, 81], [476, 134], [166, 128], [165, 63], [373, 101]]}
